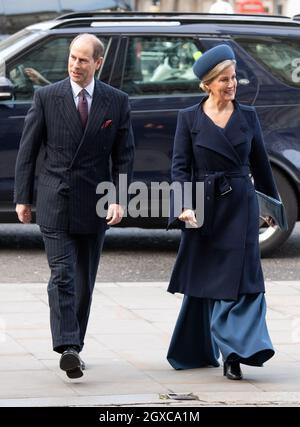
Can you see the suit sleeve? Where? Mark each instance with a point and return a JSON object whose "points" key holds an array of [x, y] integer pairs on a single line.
{"points": [[123, 149], [31, 140], [181, 171], [259, 163]]}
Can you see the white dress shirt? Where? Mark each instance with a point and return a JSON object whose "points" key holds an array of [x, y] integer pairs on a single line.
{"points": [[89, 92]]}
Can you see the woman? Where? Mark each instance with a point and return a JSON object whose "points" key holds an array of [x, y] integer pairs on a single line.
{"points": [[218, 269]]}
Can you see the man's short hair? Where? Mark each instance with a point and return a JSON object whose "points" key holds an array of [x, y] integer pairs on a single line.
{"points": [[97, 44]]}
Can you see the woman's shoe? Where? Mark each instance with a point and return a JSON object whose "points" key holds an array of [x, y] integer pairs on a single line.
{"points": [[232, 370]]}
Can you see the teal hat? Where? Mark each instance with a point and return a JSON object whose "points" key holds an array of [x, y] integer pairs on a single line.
{"points": [[209, 59]]}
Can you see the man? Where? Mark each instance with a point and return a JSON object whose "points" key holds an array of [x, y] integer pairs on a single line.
{"points": [[84, 126]]}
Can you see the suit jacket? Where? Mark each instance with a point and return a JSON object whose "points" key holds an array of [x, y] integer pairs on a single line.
{"points": [[75, 160], [221, 259]]}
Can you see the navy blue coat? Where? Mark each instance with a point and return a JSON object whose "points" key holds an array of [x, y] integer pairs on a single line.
{"points": [[221, 259], [75, 161]]}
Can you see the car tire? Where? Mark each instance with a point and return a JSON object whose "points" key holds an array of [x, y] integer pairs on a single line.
{"points": [[271, 239]]}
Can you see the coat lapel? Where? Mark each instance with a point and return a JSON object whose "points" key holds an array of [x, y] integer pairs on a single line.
{"points": [[99, 108], [67, 107], [97, 113], [238, 130], [211, 137]]}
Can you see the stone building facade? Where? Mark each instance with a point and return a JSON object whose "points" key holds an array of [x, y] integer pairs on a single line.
{"points": [[276, 7]]}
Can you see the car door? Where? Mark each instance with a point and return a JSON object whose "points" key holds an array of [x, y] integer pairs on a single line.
{"points": [[46, 62], [41, 64]]}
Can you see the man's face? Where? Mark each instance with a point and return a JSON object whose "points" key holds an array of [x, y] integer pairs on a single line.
{"points": [[82, 65]]}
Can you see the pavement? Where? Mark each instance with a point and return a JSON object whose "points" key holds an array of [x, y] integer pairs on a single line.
{"points": [[125, 352]]}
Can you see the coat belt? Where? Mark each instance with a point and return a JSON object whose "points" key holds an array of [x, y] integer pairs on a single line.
{"points": [[218, 179], [217, 182]]}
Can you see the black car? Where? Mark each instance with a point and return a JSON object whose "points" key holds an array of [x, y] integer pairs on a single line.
{"points": [[150, 56]]}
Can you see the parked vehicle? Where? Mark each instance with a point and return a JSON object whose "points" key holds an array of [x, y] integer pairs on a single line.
{"points": [[151, 57]]}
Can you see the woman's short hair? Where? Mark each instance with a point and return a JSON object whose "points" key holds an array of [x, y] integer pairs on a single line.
{"points": [[214, 72]]}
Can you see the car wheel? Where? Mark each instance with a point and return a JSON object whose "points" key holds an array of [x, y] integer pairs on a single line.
{"points": [[272, 238]]}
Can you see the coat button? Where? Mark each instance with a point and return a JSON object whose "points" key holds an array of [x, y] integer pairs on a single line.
{"points": [[208, 198], [208, 182]]}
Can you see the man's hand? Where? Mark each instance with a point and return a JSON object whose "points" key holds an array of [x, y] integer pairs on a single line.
{"points": [[188, 215], [114, 214], [24, 213]]}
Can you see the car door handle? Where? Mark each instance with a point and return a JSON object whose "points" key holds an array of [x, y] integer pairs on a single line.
{"points": [[244, 82]]}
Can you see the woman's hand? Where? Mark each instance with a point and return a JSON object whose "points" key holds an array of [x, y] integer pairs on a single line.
{"points": [[35, 76], [188, 215]]}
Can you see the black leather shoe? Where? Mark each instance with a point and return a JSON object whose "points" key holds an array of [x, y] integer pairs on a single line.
{"points": [[71, 363], [232, 371]]}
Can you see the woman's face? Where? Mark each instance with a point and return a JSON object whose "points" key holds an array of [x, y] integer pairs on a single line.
{"points": [[223, 87]]}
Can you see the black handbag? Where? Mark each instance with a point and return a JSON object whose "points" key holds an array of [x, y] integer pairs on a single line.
{"points": [[268, 206]]}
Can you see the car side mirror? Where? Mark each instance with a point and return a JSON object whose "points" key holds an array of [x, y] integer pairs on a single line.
{"points": [[6, 89]]}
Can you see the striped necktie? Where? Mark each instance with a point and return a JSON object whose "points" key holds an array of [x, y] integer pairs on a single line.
{"points": [[83, 108]]}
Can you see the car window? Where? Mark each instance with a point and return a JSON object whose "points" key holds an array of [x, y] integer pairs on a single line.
{"points": [[280, 55], [44, 64], [160, 65]]}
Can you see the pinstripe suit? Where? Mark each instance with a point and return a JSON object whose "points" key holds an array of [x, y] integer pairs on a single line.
{"points": [[75, 161]]}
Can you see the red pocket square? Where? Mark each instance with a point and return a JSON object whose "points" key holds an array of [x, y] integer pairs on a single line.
{"points": [[106, 124]]}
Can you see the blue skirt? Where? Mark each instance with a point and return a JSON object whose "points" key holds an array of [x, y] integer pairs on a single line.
{"points": [[205, 328]]}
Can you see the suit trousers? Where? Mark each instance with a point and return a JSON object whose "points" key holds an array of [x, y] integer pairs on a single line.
{"points": [[73, 260]]}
